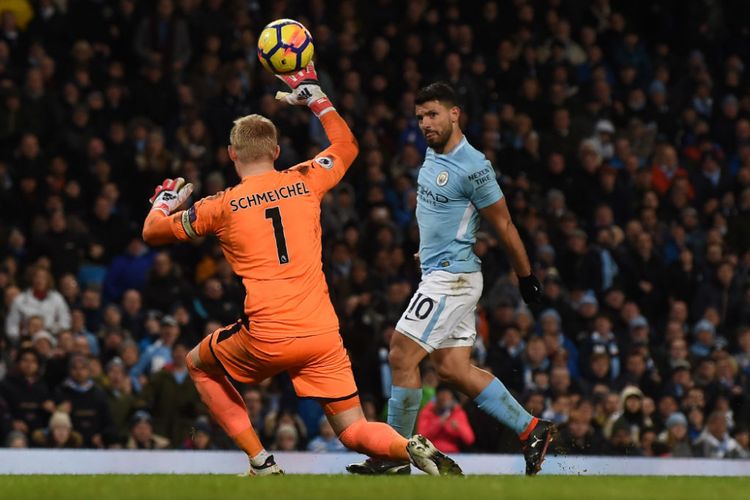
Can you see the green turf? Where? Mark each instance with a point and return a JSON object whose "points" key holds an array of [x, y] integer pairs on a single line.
{"points": [[380, 488]]}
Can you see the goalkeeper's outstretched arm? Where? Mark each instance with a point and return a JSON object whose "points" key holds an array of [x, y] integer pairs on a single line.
{"points": [[331, 164], [168, 196]]}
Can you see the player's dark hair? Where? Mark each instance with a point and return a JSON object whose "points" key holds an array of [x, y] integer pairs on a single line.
{"points": [[438, 91]]}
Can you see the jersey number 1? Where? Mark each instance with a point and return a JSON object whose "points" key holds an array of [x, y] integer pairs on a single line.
{"points": [[278, 230]]}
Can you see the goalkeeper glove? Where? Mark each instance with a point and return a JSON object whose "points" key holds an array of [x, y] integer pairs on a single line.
{"points": [[170, 194], [305, 91], [531, 289]]}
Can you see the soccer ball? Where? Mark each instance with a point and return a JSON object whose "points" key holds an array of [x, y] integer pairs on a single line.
{"points": [[285, 46]]}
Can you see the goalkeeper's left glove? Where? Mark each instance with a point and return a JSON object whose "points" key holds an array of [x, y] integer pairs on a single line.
{"points": [[170, 194], [305, 91]]}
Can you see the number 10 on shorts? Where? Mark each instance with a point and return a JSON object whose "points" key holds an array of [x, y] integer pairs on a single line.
{"points": [[420, 308]]}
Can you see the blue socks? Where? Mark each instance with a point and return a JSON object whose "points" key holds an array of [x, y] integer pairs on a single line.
{"points": [[497, 401], [403, 408]]}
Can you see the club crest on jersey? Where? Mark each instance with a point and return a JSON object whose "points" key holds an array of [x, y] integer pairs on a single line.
{"points": [[325, 161], [442, 179]]}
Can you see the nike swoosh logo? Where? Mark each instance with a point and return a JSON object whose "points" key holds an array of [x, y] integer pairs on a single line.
{"points": [[407, 318]]}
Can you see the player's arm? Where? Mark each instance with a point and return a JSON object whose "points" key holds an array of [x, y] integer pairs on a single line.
{"points": [[328, 167], [481, 186], [166, 225], [168, 196], [343, 149], [157, 229], [499, 216]]}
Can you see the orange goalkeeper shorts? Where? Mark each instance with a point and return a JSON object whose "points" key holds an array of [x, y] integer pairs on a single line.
{"points": [[318, 365]]}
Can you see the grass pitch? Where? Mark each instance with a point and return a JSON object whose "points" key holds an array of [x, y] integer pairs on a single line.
{"points": [[380, 488]]}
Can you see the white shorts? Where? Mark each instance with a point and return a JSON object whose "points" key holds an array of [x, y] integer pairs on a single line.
{"points": [[441, 313]]}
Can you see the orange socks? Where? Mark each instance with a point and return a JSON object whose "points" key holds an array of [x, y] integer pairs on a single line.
{"points": [[226, 407], [375, 439]]}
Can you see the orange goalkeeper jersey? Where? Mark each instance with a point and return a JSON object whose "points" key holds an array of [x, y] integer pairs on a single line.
{"points": [[269, 229]]}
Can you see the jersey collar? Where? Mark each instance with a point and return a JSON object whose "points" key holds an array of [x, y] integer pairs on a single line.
{"points": [[460, 145]]}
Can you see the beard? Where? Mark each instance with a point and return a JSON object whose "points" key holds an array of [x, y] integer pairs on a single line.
{"points": [[438, 140]]}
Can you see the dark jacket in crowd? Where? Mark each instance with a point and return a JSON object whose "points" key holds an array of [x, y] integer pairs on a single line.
{"points": [[26, 399], [89, 411]]}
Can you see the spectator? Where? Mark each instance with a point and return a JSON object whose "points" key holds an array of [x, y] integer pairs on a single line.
{"points": [[253, 398], [156, 355], [696, 422], [444, 422], [535, 359], [678, 356], [163, 38], [742, 436], [44, 344], [142, 435], [107, 225], [132, 313], [579, 264], [16, 439], [638, 374], [58, 434], [42, 300], [743, 356], [602, 340], [165, 286], [578, 437], [214, 304], [286, 438], [630, 416], [622, 441], [202, 435], [92, 270], [285, 417], [120, 398], [505, 359], [599, 370], [559, 411], [173, 399], [85, 403], [645, 276], [703, 333], [666, 169], [650, 447], [715, 441], [326, 441], [675, 436], [557, 342], [62, 244], [28, 398], [56, 365], [128, 270]]}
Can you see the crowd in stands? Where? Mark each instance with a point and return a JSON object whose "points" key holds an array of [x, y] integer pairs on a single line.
{"points": [[620, 135]]}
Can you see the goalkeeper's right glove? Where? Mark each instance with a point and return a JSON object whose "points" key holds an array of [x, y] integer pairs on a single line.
{"points": [[305, 91], [170, 194]]}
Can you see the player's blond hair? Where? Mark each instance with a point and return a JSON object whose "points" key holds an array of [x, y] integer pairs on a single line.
{"points": [[253, 138]]}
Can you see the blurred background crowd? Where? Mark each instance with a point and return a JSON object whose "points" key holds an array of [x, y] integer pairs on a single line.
{"points": [[620, 134]]}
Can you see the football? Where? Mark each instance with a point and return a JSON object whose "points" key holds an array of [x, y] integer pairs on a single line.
{"points": [[285, 46]]}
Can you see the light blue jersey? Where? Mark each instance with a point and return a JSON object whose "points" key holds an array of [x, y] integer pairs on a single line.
{"points": [[452, 188]]}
